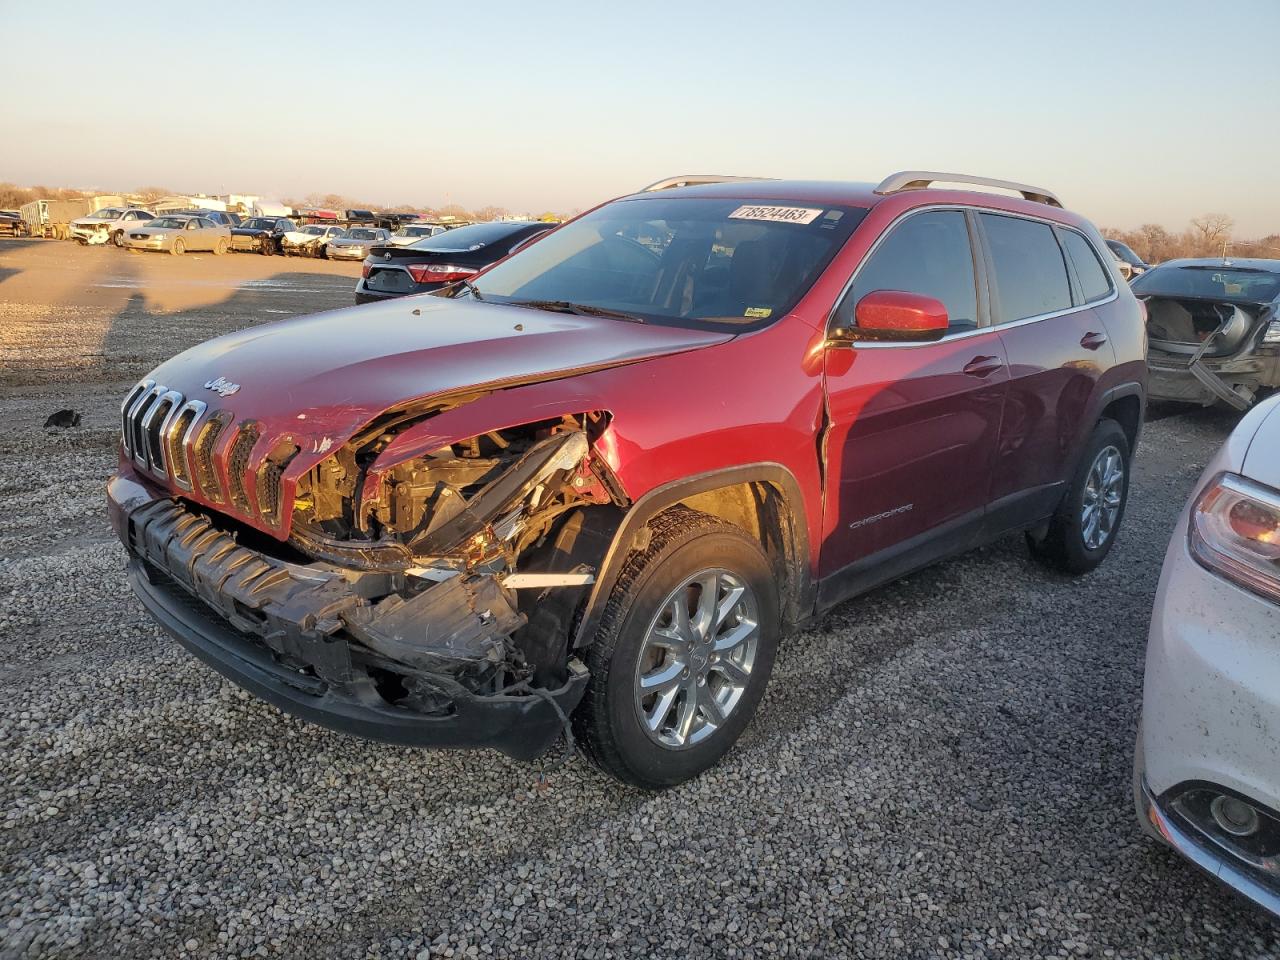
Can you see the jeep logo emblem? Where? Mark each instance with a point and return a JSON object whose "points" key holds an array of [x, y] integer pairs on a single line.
{"points": [[222, 386]]}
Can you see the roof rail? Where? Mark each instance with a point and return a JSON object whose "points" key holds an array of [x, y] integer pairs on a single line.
{"points": [[693, 180], [921, 179]]}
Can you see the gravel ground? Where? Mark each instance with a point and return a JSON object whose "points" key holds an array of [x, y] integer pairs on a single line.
{"points": [[939, 769]]}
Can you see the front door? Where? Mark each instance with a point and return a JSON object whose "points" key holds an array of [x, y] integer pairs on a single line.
{"points": [[912, 426]]}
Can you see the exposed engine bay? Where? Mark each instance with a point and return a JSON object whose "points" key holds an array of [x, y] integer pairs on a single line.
{"points": [[459, 574]]}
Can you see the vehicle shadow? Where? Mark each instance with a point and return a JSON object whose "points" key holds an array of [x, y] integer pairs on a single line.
{"points": [[9, 246]]}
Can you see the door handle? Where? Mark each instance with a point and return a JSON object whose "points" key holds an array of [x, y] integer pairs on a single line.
{"points": [[982, 366], [1092, 341]]}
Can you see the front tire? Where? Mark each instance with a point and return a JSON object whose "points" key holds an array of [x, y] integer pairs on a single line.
{"points": [[222, 247], [178, 248], [1084, 527], [118, 239], [684, 652]]}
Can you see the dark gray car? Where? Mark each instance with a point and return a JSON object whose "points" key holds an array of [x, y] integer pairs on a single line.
{"points": [[1213, 329]]}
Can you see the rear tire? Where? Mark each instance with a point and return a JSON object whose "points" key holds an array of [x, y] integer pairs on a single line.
{"points": [[716, 666], [178, 248], [1079, 538]]}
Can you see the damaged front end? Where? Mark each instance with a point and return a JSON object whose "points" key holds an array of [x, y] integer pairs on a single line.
{"points": [[426, 601], [1210, 351]]}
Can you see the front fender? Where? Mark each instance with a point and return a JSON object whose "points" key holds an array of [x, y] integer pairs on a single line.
{"points": [[800, 591]]}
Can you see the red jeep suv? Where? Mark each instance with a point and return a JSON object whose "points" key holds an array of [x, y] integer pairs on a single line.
{"points": [[589, 489]]}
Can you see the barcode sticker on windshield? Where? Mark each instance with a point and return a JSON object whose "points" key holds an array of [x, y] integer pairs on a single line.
{"points": [[776, 214]]}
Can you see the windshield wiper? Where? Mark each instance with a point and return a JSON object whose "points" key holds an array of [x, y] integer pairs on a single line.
{"points": [[475, 291], [580, 309]]}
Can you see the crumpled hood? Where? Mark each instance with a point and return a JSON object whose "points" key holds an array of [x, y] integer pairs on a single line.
{"points": [[297, 237], [320, 378]]}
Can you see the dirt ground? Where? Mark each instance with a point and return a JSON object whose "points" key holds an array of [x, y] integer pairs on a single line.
{"points": [[941, 768]]}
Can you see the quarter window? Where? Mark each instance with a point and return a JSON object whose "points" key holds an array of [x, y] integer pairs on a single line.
{"points": [[1031, 276], [929, 254], [1094, 282]]}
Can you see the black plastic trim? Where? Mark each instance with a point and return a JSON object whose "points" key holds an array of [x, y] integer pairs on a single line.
{"points": [[522, 727]]}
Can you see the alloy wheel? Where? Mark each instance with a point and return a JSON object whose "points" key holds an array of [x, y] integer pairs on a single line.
{"points": [[696, 658], [1103, 493]]}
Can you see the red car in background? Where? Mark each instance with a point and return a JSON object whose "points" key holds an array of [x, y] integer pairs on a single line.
{"points": [[596, 483]]}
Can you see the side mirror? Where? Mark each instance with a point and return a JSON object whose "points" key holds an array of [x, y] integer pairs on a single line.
{"points": [[898, 315]]}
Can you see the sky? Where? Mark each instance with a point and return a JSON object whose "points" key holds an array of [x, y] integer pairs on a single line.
{"points": [[1130, 112]]}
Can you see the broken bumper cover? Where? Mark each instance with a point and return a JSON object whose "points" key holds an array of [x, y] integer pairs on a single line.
{"points": [[196, 581]]}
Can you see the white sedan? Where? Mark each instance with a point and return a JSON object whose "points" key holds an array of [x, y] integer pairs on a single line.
{"points": [[415, 232], [1207, 764]]}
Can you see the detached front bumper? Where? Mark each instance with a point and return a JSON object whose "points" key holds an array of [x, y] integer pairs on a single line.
{"points": [[198, 582]]}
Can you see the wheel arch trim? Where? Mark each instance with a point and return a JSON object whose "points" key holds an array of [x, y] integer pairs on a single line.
{"points": [[797, 603]]}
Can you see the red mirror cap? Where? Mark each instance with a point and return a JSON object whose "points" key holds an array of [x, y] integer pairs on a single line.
{"points": [[898, 313]]}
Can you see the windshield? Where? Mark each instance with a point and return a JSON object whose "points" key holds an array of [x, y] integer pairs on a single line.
{"points": [[680, 261], [257, 223], [110, 213], [314, 229], [414, 232], [362, 234], [169, 223], [469, 238], [1213, 283], [1125, 253]]}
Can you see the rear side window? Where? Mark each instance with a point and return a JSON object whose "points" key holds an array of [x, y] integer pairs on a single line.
{"points": [[1094, 282], [1031, 276], [929, 254]]}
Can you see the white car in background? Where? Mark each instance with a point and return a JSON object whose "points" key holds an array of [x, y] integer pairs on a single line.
{"points": [[109, 224], [357, 243], [310, 240], [1207, 763], [415, 232]]}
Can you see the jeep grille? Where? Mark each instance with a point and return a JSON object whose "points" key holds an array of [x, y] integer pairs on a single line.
{"points": [[169, 437]]}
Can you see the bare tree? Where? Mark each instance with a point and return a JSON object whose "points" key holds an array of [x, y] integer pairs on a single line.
{"points": [[1210, 233]]}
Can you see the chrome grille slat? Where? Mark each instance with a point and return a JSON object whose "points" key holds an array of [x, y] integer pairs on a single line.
{"points": [[137, 448], [126, 413], [152, 444], [176, 447]]}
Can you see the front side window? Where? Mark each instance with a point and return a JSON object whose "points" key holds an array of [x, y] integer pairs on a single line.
{"points": [[706, 263], [1095, 283], [929, 254], [1031, 276]]}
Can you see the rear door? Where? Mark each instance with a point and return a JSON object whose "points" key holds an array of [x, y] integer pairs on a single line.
{"points": [[912, 426], [1057, 349]]}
